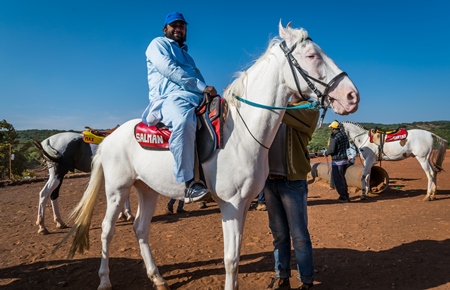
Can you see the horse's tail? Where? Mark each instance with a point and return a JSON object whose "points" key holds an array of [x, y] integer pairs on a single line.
{"points": [[54, 156], [82, 214], [438, 155]]}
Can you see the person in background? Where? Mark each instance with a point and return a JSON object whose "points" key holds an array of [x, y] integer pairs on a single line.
{"points": [[286, 193], [261, 202], [338, 152], [176, 88], [180, 206]]}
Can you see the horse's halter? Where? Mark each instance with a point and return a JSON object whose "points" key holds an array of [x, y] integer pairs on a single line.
{"points": [[320, 96]]}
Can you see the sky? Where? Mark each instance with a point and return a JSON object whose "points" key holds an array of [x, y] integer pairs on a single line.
{"points": [[68, 64]]}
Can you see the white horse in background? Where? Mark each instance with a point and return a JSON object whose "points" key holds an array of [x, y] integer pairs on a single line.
{"points": [[428, 148], [64, 152], [235, 174]]}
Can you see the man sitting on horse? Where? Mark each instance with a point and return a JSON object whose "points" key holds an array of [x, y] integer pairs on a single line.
{"points": [[176, 88]]}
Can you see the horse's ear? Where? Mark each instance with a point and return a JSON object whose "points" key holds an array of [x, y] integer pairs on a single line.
{"points": [[285, 32]]}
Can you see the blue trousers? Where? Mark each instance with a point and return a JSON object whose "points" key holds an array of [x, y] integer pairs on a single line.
{"points": [[288, 218], [179, 115], [180, 203], [340, 183]]}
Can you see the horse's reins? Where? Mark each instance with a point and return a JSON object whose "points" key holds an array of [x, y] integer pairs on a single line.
{"points": [[293, 63], [320, 96]]}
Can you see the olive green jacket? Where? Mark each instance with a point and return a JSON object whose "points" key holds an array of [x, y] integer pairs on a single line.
{"points": [[301, 125]]}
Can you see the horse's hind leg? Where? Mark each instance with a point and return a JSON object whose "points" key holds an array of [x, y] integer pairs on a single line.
{"points": [[146, 209], [60, 224], [44, 194], [431, 176], [115, 201]]}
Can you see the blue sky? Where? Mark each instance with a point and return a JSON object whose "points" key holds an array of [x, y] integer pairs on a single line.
{"points": [[68, 64]]}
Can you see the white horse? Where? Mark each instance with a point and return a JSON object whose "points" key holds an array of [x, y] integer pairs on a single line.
{"points": [[428, 148], [235, 174], [64, 152]]}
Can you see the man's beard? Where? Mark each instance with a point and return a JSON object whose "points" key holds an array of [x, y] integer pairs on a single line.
{"points": [[180, 40]]}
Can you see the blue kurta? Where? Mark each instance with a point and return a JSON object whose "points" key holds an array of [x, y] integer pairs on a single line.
{"points": [[176, 88]]}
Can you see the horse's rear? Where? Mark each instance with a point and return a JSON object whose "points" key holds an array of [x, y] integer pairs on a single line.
{"points": [[118, 160], [63, 152], [428, 149]]}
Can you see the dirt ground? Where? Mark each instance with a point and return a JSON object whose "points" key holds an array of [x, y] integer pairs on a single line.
{"points": [[393, 240]]}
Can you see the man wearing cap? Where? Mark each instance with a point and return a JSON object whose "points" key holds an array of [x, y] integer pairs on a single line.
{"points": [[338, 151], [176, 89]]}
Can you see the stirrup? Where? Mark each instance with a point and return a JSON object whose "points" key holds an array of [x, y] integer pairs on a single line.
{"points": [[188, 194]]}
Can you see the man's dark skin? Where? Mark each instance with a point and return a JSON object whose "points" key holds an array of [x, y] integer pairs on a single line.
{"points": [[177, 31]]}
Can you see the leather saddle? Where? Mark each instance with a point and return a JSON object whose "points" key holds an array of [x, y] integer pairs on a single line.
{"points": [[96, 136], [379, 136], [211, 115]]}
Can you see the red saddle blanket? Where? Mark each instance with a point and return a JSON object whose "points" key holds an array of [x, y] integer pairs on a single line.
{"points": [[152, 137], [398, 135], [157, 137]]}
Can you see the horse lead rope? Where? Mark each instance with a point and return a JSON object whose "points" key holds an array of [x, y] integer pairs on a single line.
{"points": [[294, 63], [320, 96]]}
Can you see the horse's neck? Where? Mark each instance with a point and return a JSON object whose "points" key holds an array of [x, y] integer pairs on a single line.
{"points": [[261, 86]]}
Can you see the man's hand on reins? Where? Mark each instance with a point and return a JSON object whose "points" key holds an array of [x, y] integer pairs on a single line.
{"points": [[211, 91]]}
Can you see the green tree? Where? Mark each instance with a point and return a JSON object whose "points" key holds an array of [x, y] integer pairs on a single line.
{"points": [[7, 140], [9, 147]]}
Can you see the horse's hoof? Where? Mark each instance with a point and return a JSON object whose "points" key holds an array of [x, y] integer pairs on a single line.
{"points": [[62, 226], [43, 232], [130, 218]]}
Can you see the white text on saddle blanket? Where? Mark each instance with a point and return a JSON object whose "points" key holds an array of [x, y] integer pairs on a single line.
{"points": [[149, 138]]}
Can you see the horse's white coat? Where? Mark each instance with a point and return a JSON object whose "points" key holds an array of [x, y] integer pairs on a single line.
{"points": [[419, 144], [235, 175]]}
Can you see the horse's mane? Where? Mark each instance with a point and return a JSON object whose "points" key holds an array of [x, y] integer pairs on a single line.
{"points": [[355, 124], [237, 87]]}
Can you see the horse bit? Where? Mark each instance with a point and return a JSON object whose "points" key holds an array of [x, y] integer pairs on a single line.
{"points": [[294, 64]]}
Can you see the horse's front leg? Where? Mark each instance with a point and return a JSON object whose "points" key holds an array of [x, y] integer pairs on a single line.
{"points": [[365, 178], [233, 219]]}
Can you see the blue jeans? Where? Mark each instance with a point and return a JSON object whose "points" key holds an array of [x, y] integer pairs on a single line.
{"points": [[288, 217], [340, 183], [180, 203], [261, 198]]}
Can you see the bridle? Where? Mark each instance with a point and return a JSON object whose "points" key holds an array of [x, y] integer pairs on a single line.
{"points": [[293, 63]]}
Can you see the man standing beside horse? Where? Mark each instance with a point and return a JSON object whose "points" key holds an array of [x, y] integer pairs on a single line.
{"points": [[286, 194], [176, 89]]}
